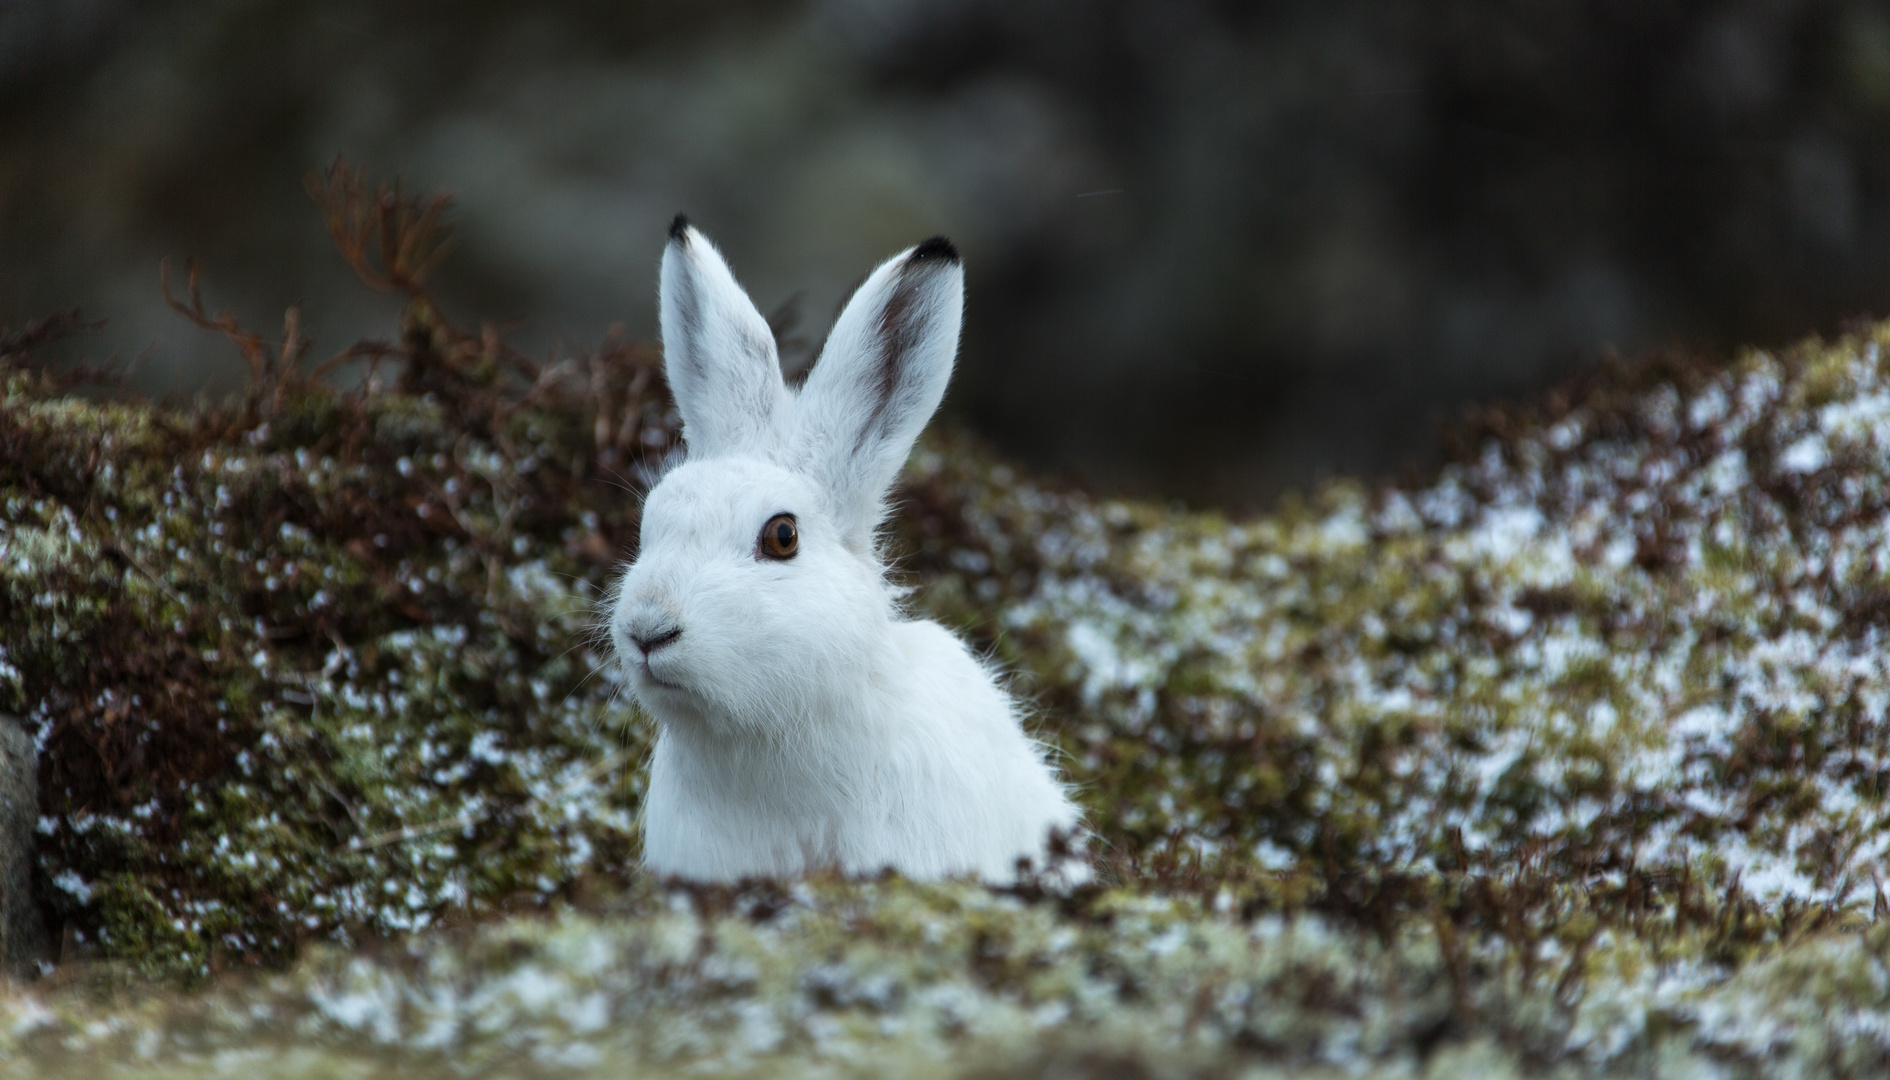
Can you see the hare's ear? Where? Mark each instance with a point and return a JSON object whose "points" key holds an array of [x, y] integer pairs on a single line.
{"points": [[718, 352], [880, 378]]}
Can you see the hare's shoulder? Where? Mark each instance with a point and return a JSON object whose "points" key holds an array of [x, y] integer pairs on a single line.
{"points": [[947, 679], [931, 651], [978, 760]]}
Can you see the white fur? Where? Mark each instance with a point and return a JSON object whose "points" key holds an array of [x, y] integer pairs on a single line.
{"points": [[803, 720]]}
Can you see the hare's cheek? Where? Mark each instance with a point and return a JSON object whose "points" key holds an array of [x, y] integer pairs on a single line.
{"points": [[756, 618], [622, 615]]}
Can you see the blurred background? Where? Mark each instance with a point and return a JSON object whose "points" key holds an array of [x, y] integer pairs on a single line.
{"points": [[1215, 250]]}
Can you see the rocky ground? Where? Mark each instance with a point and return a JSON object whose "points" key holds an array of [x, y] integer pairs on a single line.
{"points": [[1570, 759]]}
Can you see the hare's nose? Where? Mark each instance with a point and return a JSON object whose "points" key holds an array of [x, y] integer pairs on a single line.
{"points": [[647, 644]]}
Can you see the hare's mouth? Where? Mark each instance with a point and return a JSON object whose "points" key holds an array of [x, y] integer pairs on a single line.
{"points": [[653, 678]]}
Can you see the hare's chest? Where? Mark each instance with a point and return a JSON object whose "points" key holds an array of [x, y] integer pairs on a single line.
{"points": [[723, 816]]}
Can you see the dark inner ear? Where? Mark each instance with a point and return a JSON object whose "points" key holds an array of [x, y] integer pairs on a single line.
{"points": [[895, 335], [688, 350]]}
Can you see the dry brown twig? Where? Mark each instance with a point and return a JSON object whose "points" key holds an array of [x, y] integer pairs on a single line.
{"points": [[273, 369], [391, 239], [18, 344], [615, 376], [43, 330]]}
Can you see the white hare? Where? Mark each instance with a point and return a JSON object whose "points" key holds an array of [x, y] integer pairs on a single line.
{"points": [[803, 720]]}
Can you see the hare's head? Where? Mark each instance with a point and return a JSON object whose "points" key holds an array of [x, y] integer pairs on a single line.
{"points": [[757, 597]]}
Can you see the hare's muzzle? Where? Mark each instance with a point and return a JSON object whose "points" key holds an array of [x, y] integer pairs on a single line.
{"points": [[649, 641]]}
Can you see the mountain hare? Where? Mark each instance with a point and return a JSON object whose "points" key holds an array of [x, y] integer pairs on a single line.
{"points": [[803, 720]]}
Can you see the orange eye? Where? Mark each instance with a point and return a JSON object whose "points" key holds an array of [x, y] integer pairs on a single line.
{"points": [[780, 538]]}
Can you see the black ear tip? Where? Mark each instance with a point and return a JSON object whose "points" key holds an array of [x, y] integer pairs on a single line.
{"points": [[679, 228], [936, 248]]}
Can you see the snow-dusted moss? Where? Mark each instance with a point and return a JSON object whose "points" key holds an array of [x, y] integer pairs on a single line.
{"points": [[1628, 659], [310, 677], [1571, 759], [885, 979]]}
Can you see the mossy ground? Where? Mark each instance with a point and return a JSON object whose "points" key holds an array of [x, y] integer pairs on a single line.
{"points": [[316, 673], [1571, 759]]}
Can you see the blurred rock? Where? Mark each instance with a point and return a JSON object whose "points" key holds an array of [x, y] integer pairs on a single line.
{"points": [[23, 937]]}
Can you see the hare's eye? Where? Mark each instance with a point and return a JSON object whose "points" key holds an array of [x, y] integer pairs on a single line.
{"points": [[780, 538]]}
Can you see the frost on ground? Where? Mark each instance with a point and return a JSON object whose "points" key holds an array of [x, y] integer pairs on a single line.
{"points": [[1569, 760]]}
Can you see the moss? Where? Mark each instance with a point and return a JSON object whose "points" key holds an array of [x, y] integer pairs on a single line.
{"points": [[309, 673], [1568, 759], [887, 978]]}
